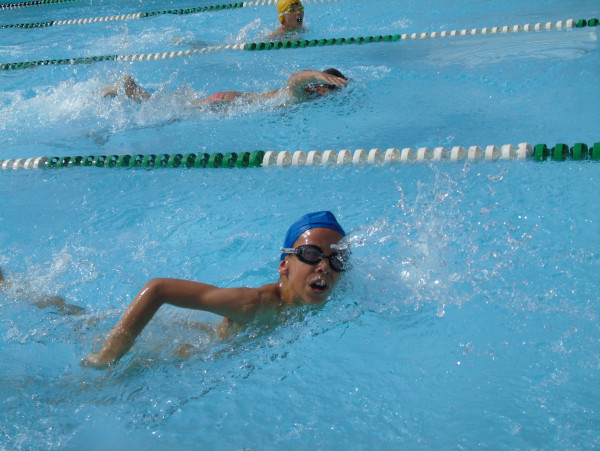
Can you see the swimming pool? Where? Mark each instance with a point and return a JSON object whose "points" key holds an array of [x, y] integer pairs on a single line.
{"points": [[470, 317]]}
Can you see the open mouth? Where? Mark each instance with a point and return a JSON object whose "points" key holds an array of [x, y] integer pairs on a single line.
{"points": [[319, 286], [299, 20]]}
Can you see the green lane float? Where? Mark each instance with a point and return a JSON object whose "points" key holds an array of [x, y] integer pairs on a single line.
{"points": [[260, 158], [132, 161], [579, 151], [243, 160], [75, 161], [540, 152], [162, 161], [560, 152], [595, 154], [215, 160], [256, 158], [123, 161], [148, 161], [202, 160], [229, 160], [174, 160]]}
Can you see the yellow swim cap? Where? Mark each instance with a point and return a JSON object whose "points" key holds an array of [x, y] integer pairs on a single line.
{"points": [[283, 6]]}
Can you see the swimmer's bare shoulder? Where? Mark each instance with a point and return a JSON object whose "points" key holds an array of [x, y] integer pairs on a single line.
{"points": [[237, 304], [270, 295], [265, 298]]}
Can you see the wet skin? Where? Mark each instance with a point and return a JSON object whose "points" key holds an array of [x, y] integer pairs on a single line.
{"points": [[305, 283], [293, 19]]}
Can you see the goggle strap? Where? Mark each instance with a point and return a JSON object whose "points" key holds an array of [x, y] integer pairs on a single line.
{"points": [[287, 11]]}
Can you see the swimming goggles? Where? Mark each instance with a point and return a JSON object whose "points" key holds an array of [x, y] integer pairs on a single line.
{"points": [[315, 86], [312, 255], [315, 89], [294, 8]]}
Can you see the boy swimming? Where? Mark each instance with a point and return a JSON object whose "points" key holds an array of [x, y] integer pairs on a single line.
{"points": [[301, 86], [291, 17], [311, 264]]}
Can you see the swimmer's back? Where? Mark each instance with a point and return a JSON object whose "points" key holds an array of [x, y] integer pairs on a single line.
{"points": [[223, 96]]}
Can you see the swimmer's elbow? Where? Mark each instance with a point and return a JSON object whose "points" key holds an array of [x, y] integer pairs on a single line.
{"points": [[154, 285], [154, 293]]}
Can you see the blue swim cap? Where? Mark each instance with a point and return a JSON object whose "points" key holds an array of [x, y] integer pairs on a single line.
{"points": [[318, 219]]}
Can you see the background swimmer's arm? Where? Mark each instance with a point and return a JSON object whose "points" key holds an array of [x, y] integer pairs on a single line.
{"points": [[282, 31], [193, 44], [132, 90], [237, 304], [299, 80], [45, 301]]}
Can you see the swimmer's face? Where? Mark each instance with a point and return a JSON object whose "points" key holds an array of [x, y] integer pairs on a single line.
{"points": [[294, 17], [311, 284]]}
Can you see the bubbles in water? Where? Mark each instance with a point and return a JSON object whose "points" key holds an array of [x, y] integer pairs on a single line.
{"points": [[250, 31]]}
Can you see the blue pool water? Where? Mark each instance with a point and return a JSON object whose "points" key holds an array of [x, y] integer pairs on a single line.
{"points": [[471, 317]]}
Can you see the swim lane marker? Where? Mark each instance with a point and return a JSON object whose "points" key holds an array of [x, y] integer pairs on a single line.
{"points": [[275, 45], [31, 3], [133, 16], [259, 158]]}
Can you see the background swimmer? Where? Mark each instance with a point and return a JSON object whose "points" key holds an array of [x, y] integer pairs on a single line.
{"points": [[311, 264], [301, 86], [291, 17], [41, 301]]}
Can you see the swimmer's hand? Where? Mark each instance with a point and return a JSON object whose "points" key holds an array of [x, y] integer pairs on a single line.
{"points": [[117, 344], [96, 360], [132, 90]]}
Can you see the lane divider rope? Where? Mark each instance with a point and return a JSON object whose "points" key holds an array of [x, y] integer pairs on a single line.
{"points": [[31, 3], [133, 16], [259, 158], [274, 45]]}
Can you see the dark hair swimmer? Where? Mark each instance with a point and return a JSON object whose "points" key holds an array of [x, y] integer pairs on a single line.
{"points": [[301, 86], [322, 89]]}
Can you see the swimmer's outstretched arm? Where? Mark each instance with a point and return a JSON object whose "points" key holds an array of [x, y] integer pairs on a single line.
{"points": [[299, 80], [236, 304], [132, 90]]}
